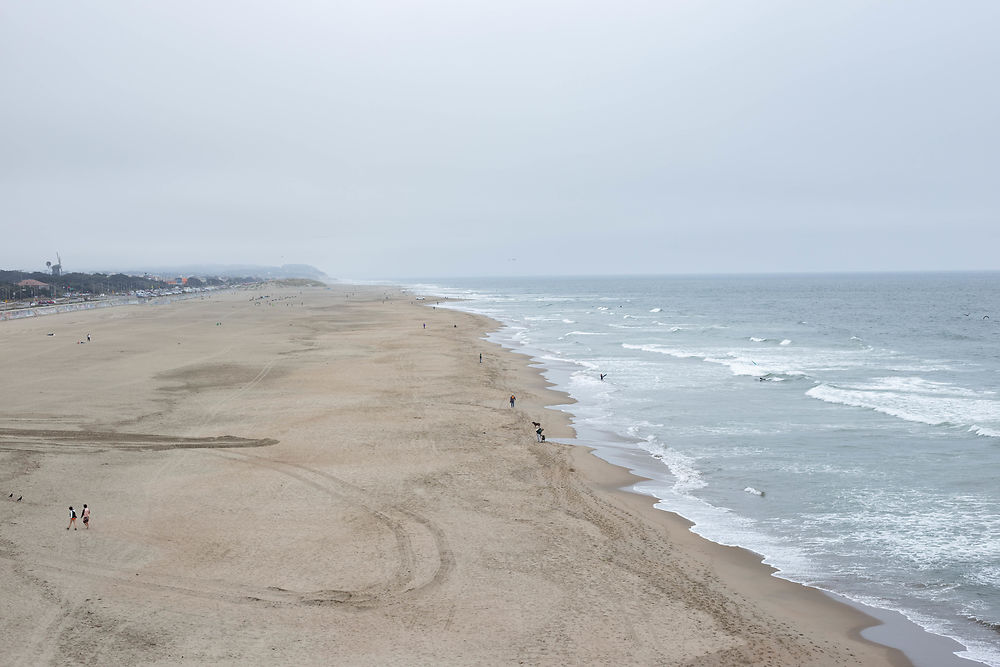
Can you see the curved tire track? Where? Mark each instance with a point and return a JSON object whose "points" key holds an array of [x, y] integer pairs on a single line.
{"points": [[411, 574]]}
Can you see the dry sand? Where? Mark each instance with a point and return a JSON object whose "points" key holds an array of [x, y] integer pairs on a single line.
{"points": [[317, 479]]}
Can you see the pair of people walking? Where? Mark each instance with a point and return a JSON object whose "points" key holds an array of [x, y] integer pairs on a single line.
{"points": [[72, 517]]}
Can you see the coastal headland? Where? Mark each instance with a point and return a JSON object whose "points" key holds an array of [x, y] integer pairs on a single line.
{"points": [[332, 476]]}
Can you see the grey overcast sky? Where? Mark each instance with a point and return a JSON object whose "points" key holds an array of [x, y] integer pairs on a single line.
{"points": [[379, 139]]}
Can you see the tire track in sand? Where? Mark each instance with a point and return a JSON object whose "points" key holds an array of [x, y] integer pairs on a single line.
{"points": [[257, 379], [52, 441], [424, 558]]}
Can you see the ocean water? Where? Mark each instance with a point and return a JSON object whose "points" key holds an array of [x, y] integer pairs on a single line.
{"points": [[846, 427]]}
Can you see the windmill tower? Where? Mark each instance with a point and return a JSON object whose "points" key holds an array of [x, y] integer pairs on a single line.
{"points": [[57, 267]]}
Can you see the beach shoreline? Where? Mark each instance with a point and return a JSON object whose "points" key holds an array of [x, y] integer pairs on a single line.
{"points": [[886, 628], [897, 633], [615, 481], [332, 474]]}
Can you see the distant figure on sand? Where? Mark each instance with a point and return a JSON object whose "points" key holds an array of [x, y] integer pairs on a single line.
{"points": [[425, 325], [603, 375], [480, 357], [88, 340], [512, 399], [86, 516], [72, 518], [538, 433]]}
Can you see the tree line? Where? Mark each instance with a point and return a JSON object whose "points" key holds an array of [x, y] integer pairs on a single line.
{"points": [[93, 283]]}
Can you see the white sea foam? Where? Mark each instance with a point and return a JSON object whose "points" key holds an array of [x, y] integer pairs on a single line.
{"points": [[786, 362], [557, 356], [917, 385], [785, 342], [926, 530], [736, 364], [918, 400], [655, 310], [641, 428], [682, 467], [755, 339], [987, 432], [565, 321], [680, 354], [739, 366]]}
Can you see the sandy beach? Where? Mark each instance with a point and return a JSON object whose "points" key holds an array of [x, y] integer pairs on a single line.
{"points": [[331, 476]]}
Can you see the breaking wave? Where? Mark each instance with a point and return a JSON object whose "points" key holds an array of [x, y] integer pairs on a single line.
{"points": [[918, 400]]}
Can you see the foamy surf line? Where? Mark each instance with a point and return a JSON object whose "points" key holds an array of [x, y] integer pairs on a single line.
{"points": [[916, 400], [912, 399]]}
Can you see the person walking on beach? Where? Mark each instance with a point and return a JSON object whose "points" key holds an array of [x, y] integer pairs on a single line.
{"points": [[538, 433], [72, 518], [512, 399], [480, 357], [86, 516]]}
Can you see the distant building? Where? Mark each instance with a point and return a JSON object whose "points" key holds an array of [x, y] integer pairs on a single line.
{"points": [[31, 282]]}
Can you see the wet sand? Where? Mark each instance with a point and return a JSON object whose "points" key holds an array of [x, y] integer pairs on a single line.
{"points": [[316, 478]]}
